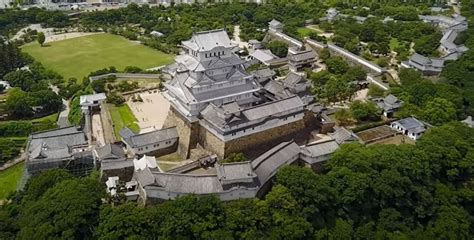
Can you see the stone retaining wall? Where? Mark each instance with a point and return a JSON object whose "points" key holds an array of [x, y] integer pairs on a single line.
{"points": [[188, 132]]}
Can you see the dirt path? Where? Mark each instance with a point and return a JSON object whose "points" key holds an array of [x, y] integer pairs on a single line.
{"points": [[64, 36], [97, 130], [14, 162]]}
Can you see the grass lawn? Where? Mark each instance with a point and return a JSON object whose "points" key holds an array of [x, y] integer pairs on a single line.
{"points": [[9, 179], [304, 32], [77, 57], [394, 43], [122, 116]]}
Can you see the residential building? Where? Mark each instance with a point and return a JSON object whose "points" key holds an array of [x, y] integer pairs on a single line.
{"points": [[59, 148], [411, 127], [388, 104], [157, 142]]}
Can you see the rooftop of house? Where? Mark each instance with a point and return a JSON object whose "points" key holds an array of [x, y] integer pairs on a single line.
{"points": [[388, 103], [264, 55], [293, 79], [229, 173], [116, 164], [275, 23], [135, 140], [267, 164], [318, 149], [55, 144], [208, 40], [299, 56], [342, 135], [218, 117], [426, 61], [263, 74], [92, 98], [145, 162], [411, 124], [276, 89], [110, 152]]}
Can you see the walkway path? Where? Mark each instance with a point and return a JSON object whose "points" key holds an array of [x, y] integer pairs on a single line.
{"points": [[13, 162], [236, 38]]}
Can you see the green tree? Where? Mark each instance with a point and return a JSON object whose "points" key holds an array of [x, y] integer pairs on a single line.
{"points": [[41, 38], [234, 157], [19, 104], [343, 117], [363, 111], [439, 111], [127, 221], [278, 48], [324, 54], [69, 210], [337, 65]]}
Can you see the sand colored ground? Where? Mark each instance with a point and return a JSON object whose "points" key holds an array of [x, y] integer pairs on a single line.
{"points": [[65, 36], [97, 130], [152, 112]]}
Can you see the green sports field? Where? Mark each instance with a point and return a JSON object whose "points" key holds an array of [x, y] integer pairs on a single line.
{"points": [[77, 57]]}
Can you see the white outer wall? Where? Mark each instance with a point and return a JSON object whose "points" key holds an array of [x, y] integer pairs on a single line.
{"points": [[151, 147]]}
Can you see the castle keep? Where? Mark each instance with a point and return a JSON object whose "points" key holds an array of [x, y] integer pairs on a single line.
{"points": [[215, 103]]}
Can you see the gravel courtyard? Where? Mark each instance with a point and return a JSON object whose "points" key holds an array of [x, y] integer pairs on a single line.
{"points": [[152, 112]]}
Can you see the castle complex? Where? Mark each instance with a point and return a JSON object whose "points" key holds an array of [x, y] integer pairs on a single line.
{"points": [[215, 103]]}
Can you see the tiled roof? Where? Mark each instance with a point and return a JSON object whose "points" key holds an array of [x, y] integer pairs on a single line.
{"points": [[138, 140]]}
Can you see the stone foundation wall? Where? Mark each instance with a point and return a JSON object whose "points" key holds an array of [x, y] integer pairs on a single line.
{"points": [[260, 142], [263, 141], [187, 132], [210, 142]]}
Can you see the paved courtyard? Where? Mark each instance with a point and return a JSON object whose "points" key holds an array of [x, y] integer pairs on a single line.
{"points": [[152, 112]]}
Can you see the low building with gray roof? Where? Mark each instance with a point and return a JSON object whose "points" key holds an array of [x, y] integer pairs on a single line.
{"points": [[411, 127], [157, 142], [426, 65], [388, 104], [227, 125], [275, 25], [316, 154], [232, 181], [301, 59], [59, 148], [263, 75], [343, 135]]}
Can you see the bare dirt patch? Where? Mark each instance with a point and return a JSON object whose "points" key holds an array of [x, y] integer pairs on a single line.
{"points": [[151, 112]]}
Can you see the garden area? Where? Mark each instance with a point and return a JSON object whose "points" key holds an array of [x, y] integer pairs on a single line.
{"points": [[122, 117], [77, 57]]}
